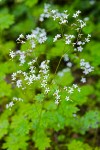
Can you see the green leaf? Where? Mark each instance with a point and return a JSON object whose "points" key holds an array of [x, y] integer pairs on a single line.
{"points": [[41, 140], [5, 89], [39, 97], [14, 142], [31, 3], [3, 127], [78, 145], [6, 20], [20, 125]]}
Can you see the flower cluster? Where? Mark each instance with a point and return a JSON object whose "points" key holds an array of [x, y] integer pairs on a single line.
{"points": [[21, 55], [55, 14], [57, 96], [69, 90], [37, 36], [86, 67], [56, 37], [40, 72], [68, 38], [10, 104], [75, 15], [44, 73]]}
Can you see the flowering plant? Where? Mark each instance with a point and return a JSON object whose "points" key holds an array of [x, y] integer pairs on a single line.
{"points": [[41, 75], [51, 91]]}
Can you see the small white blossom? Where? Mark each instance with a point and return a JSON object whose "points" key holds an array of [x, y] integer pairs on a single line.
{"points": [[86, 18], [33, 44], [87, 68], [56, 92], [79, 43], [87, 40], [12, 54], [79, 89], [56, 37], [57, 101], [68, 41], [14, 76], [76, 14], [92, 2], [71, 90], [47, 90], [67, 98], [57, 96], [9, 105], [80, 48], [75, 86], [83, 80], [65, 88], [17, 99], [66, 58], [21, 36], [43, 85], [19, 83], [69, 64]]}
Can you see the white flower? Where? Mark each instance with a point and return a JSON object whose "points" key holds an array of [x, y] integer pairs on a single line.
{"points": [[10, 104], [56, 37], [43, 85], [38, 35], [65, 11], [46, 77], [89, 35], [66, 58], [69, 64], [83, 24], [82, 62], [33, 44], [86, 18], [75, 86], [21, 36], [47, 90], [79, 43], [75, 15], [14, 76], [65, 88], [70, 91], [19, 83], [78, 12], [56, 102], [87, 68], [92, 2], [68, 41], [74, 115], [60, 73], [22, 58], [87, 40], [12, 54], [63, 21], [19, 71], [17, 99], [80, 48], [67, 98], [56, 92], [83, 80], [57, 96], [79, 89]]}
